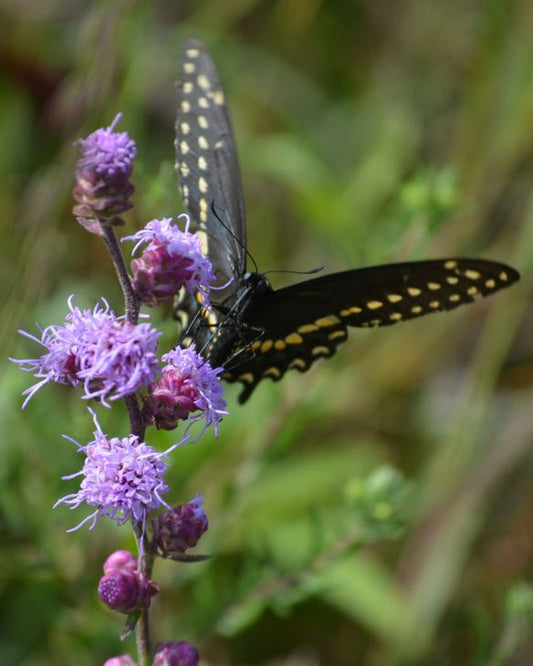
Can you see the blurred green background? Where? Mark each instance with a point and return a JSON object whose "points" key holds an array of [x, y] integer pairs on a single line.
{"points": [[378, 509]]}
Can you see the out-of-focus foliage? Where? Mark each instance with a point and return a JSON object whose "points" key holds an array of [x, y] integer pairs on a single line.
{"points": [[368, 132]]}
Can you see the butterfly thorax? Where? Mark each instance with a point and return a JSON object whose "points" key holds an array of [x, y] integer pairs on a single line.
{"points": [[234, 333]]}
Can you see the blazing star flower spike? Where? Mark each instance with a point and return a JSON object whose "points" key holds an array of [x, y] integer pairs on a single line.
{"points": [[103, 188], [188, 388], [121, 477], [111, 356], [172, 259]]}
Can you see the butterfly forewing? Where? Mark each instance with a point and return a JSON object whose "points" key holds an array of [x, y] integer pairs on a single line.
{"points": [[208, 170], [307, 321]]}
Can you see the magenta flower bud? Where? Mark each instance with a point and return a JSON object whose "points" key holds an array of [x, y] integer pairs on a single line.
{"points": [[173, 653], [187, 385], [103, 188], [125, 591], [171, 259], [172, 398], [179, 529], [120, 559], [158, 276], [123, 660]]}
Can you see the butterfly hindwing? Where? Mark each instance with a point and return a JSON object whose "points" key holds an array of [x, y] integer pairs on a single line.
{"points": [[307, 321]]}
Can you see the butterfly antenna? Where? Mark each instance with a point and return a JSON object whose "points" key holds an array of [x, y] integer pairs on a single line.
{"points": [[235, 237], [311, 271]]}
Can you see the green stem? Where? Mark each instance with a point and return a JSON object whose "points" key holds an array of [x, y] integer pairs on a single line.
{"points": [[142, 629], [130, 299]]}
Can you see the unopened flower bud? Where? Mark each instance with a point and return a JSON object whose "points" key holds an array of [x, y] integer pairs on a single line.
{"points": [[171, 259], [172, 398], [125, 591], [120, 559], [179, 653], [103, 188], [187, 385], [181, 528], [123, 660]]}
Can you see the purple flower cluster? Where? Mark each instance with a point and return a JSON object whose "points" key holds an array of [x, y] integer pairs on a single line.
{"points": [[122, 478], [111, 356], [103, 188], [171, 259]]}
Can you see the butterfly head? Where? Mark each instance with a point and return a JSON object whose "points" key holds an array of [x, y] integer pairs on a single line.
{"points": [[257, 283]]}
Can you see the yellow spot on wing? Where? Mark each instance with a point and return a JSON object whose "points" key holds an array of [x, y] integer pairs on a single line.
{"points": [[218, 97], [185, 106], [452, 280], [433, 286], [294, 339], [272, 372], [298, 363], [266, 346], [202, 163], [189, 67], [454, 298], [307, 328], [434, 304], [246, 377], [202, 185], [203, 210], [192, 53], [203, 239], [416, 309], [203, 81], [450, 264], [414, 291], [280, 345], [394, 298], [395, 316], [202, 122], [320, 350], [202, 142], [503, 276], [350, 311], [203, 103], [490, 284], [327, 321], [472, 290], [184, 147], [336, 335], [185, 128], [374, 305], [188, 87], [472, 275]]}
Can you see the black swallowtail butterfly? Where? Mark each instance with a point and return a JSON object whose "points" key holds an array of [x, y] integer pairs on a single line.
{"points": [[254, 331]]}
